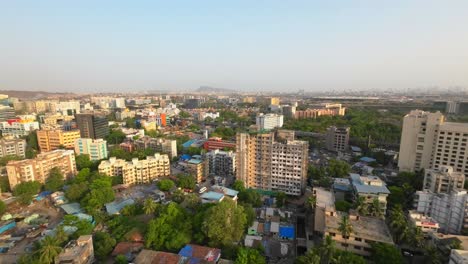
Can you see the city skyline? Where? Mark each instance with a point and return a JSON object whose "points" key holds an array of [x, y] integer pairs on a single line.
{"points": [[246, 46]]}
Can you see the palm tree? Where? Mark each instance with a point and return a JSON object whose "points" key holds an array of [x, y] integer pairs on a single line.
{"points": [[398, 224], [149, 206], [48, 249], [327, 250], [417, 237], [361, 206], [376, 208], [433, 255], [345, 228], [311, 202]]}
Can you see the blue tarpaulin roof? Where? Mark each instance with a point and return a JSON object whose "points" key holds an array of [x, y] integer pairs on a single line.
{"points": [[189, 143], [185, 157], [286, 231]]}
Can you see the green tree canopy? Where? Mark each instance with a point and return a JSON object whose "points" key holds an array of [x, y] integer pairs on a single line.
{"points": [[103, 244], [26, 190], [3, 207], [55, 181], [386, 254], [338, 168], [225, 223], [171, 230], [116, 136], [165, 185], [248, 256], [186, 181]]}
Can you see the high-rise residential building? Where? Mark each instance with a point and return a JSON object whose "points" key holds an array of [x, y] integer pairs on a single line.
{"points": [[274, 101], [6, 113], [444, 199], [427, 141], [265, 163], [269, 121], [95, 148], [221, 163], [80, 251], [38, 169], [289, 111], [92, 126], [168, 146], [49, 140], [443, 180], [337, 138], [370, 188], [449, 210], [40, 106], [137, 171], [18, 127], [12, 147], [324, 110]]}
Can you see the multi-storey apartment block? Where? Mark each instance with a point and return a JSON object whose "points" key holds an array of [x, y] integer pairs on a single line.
{"points": [[427, 141], [95, 148], [443, 180], [370, 187], [325, 110], [221, 163], [269, 121], [168, 146], [263, 162], [137, 171], [12, 147], [49, 140], [366, 230], [18, 128], [38, 169], [337, 138]]}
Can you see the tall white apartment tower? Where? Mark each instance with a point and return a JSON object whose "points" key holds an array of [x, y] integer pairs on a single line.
{"points": [[427, 141]]}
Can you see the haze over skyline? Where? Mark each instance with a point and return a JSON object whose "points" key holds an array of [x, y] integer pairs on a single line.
{"points": [[91, 46]]}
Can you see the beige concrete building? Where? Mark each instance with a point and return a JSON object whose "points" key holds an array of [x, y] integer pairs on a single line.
{"points": [[269, 162], [12, 147], [443, 180], [325, 110], [137, 171], [366, 230], [370, 188], [49, 140], [427, 141], [337, 138], [38, 169], [80, 251]]}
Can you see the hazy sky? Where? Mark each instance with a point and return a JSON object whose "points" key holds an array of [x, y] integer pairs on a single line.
{"points": [[282, 45]]}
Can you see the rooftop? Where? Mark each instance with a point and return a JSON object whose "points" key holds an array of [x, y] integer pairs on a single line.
{"points": [[115, 207], [368, 184], [370, 228], [212, 196]]}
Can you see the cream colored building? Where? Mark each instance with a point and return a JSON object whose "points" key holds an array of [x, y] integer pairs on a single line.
{"points": [[38, 169], [137, 171], [366, 230], [269, 163], [49, 140], [80, 251], [12, 147], [427, 141], [443, 180]]}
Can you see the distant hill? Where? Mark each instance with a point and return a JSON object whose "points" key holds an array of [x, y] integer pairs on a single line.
{"points": [[34, 94], [208, 89]]}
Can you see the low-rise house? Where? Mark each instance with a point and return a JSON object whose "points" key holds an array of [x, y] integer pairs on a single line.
{"points": [[370, 187], [114, 207], [78, 251], [426, 223]]}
